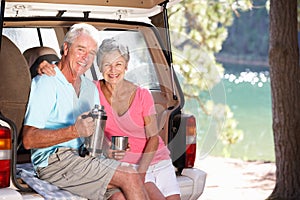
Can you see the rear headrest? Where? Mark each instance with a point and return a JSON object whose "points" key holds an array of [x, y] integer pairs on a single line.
{"points": [[15, 83], [36, 55]]}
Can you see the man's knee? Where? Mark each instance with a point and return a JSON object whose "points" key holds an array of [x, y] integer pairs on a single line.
{"points": [[128, 173]]}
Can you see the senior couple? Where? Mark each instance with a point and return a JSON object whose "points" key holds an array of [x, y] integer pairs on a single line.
{"points": [[54, 129]]}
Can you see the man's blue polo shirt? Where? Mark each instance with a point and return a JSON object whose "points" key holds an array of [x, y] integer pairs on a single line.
{"points": [[53, 104]]}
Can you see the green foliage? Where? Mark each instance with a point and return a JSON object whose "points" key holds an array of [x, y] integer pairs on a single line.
{"points": [[229, 133], [200, 28]]}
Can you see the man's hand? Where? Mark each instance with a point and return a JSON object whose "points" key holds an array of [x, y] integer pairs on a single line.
{"points": [[46, 68], [85, 126]]}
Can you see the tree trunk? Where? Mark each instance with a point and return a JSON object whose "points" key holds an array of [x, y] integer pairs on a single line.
{"points": [[285, 88]]}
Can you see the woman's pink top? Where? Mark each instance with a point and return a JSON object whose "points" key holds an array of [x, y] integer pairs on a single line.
{"points": [[131, 124]]}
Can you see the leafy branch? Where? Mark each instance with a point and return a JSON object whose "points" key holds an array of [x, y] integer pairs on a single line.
{"points": [[200, 28]]}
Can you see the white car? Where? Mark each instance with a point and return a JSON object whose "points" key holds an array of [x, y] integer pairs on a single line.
{"points": [[143, 27]]}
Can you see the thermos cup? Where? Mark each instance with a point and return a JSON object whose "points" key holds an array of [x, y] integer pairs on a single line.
{"points": [[119, 142]]}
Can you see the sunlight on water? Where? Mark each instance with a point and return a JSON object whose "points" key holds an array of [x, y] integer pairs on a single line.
{"points": [[255, 78]]}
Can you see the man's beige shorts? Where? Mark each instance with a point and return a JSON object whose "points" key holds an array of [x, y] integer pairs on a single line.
{"points": [[85, 176]]}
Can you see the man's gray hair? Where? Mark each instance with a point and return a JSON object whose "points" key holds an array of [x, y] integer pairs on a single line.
{"points": [[77, 29], [109, 45]]}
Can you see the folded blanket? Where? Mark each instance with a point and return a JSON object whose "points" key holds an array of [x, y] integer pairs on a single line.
{"points": [[47, 190]]}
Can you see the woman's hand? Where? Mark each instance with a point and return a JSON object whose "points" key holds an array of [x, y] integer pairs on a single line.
{"points": [[116, 154], [46, 68]]}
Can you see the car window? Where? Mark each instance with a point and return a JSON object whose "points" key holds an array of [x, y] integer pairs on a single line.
{"points": [[25, 38], [141, 69]]}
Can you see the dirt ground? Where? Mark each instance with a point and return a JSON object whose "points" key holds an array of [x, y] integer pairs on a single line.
{"points": [[234, 179]]}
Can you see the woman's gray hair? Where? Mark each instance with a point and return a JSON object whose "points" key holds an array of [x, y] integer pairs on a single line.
{"points": [[77, 29], [109, 45]]}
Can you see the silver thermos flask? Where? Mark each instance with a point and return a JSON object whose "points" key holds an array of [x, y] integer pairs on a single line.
{"points": [[94, 142]]}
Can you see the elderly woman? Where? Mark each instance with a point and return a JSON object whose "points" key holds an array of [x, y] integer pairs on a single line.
{"points": [[131, 112]]}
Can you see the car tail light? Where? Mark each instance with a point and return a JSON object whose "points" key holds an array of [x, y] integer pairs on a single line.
{"points": [[5, 156], [191, 141]]}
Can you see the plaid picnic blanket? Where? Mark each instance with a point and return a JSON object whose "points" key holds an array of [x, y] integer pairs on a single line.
{"points": [[47, 190]]}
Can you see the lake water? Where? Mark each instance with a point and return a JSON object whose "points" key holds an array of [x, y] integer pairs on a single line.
{"points": [[248, 95]]}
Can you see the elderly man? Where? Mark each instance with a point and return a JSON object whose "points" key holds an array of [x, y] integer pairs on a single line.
{"points": [[54, 127]]}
